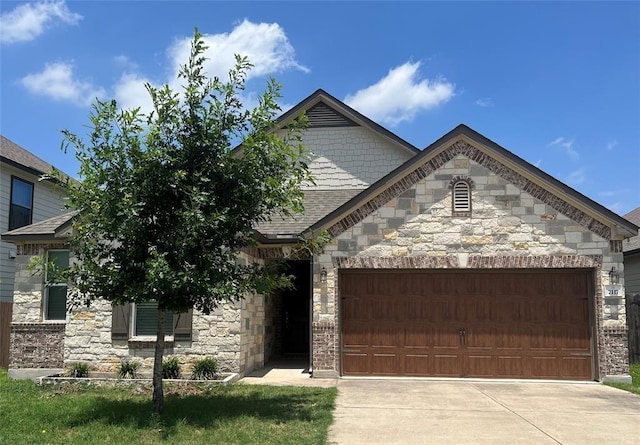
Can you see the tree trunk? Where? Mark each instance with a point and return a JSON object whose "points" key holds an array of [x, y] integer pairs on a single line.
{"points": [[158, 391]]}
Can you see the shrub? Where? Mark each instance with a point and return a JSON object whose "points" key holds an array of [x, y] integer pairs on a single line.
{"points": [[79, 370], [205, 369], [171, 368], [127, 369]]}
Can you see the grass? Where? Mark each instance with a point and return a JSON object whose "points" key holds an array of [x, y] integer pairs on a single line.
{"points": [[634, 387], [231, 414]]}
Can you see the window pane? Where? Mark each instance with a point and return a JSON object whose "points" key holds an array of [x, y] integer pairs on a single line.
{"points": [[19, 217], [60, 258], [147, 318], [57, 302], [21, 193]]}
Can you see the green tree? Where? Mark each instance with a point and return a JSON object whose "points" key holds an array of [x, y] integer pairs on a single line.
{"points": [[165, 205]]}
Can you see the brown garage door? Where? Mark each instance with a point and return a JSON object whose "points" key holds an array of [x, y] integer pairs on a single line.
{"points": [[511, 324]]}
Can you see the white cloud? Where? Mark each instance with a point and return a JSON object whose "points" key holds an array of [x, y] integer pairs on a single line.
{"points": [[567, 144], [57, 81], [577, 177], [400, 95], [611, 193], [265, 45], [611, 145], [29, 20], [130, 92], [484, 102]]}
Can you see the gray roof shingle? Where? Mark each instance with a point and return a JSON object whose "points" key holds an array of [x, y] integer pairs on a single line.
{"points": [[13, 152], [47, 229], [317, 205], [632, 243]]}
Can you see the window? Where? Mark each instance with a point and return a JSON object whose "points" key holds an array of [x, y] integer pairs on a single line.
{"points": [[21, 207], [55, 293], [128, 321], [146, 317]]}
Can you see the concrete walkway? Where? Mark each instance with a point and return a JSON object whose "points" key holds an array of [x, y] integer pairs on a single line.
{"points": [[483, 412]]}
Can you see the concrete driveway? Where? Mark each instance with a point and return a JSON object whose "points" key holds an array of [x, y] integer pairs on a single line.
{"points": [[483, 412]]}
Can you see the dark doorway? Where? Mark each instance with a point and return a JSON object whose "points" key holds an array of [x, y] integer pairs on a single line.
{"points": [[294, 310]]}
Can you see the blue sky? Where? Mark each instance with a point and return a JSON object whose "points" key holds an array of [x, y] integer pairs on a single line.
{"points": [[558, 84]]}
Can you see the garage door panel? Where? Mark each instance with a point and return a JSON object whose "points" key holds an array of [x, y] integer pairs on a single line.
{"points": [[447, 365], [385, 364], [446, 337], [480, 365], [543, 338], [418, 364], [418, 337], [573, 338], [576, 366], [545, 367], [479, 337], [387, 336], [356, 336], [355, 364], [517, 324], [510, 366], [505, 339]]}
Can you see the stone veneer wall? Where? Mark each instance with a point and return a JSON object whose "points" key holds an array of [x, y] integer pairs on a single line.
{"points": [[232, 334], [252, 353], [508, 228]]}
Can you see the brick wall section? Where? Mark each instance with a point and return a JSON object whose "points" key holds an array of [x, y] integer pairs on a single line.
{"points": [[325, 346], [615, 350], [37, 345], [411, 226]]}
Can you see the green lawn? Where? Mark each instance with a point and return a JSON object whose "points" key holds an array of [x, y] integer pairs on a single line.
{"points": [[233, 414], [634, 387]]}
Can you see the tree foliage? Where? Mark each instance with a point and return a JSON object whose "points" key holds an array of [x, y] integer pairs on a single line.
{"points": [[165, 204]]}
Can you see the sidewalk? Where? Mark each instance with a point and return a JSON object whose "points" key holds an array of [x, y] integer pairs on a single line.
{"points": [[286, 373]]}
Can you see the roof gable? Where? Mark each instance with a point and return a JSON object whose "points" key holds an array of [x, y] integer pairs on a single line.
{"points": [[324, 110], [464, 141], [322, 115]]}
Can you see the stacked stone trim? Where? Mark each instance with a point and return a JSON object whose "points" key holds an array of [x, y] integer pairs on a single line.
{"points": [[475, 262], [482, 158], [39, 248], [534, 261], [615, 246]]}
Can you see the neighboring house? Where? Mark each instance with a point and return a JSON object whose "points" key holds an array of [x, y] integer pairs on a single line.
{"points": [[24, 200], [631, 248], [461, 260]]}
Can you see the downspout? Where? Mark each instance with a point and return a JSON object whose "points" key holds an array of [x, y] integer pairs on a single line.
{"points": [[311, 276]]}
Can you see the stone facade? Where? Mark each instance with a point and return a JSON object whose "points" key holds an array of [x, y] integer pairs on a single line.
{"points": [[412, 225], [233, 333]]}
